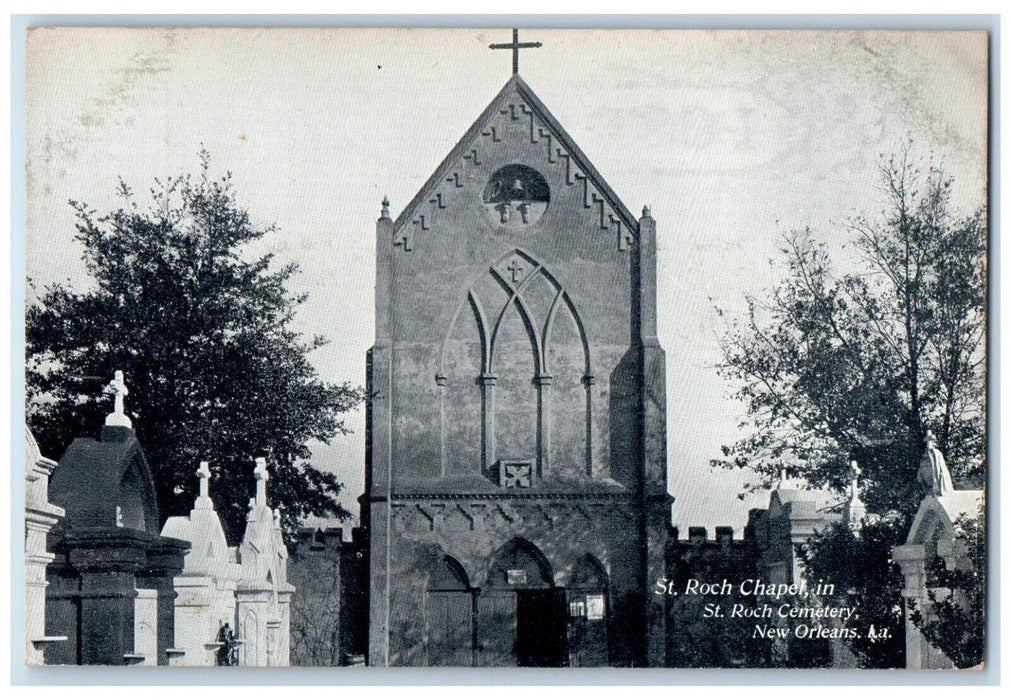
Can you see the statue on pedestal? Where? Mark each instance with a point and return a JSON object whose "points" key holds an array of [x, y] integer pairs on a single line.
{"points": [[933, 473]]}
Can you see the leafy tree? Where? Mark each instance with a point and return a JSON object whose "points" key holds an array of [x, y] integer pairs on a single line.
{"points": [[201, 328], [859, 363], [860, 568], [958, 621]]}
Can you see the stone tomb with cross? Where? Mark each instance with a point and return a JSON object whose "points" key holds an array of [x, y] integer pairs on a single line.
{"points": [[517, 411], [111, 584], [244, 587], [121, 593], [206, 586]]}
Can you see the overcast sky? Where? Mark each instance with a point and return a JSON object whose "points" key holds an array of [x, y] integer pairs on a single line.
{"points": [[731, 137]]}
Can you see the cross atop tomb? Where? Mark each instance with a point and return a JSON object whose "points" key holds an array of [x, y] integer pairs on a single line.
{"points": [[118, 388], [855, 510], [261, 472], [262, 476], [515, 45], [203, 473]]}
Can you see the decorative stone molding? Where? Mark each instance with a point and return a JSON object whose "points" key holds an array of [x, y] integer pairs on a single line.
{"points": [[40, 518], [516, 103]]}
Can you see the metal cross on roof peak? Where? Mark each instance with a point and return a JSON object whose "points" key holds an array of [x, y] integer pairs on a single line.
{"points": [[515, 45]]}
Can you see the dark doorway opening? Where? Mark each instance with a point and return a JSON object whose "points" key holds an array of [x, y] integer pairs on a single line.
{"points": [[521, 616], [541, 628]]}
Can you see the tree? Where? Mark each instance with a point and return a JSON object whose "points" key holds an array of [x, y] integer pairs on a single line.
{"points": [[957, 623], [859, 364], [316, 628], [202, 330], [859, 565]]}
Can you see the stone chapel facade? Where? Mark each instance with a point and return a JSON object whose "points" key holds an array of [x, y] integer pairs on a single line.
{"points": [[516, 506]]}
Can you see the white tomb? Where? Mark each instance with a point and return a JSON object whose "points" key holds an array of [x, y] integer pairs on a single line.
{"points": [[932, 534], [205, 590], [40, 517], [245, 587], [263, 594]]}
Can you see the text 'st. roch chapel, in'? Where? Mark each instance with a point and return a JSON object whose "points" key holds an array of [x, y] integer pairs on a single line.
{"points": [[516, 506]]}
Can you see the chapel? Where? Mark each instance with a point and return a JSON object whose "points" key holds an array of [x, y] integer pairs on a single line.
{"points": [[516, 507]]}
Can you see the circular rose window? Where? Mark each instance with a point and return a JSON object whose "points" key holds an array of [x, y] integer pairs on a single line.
{"points": [[516, 196]]}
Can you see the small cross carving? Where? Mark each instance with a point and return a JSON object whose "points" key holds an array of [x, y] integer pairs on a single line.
{"points": [[516, 475], [515, 46], [515, 268]]}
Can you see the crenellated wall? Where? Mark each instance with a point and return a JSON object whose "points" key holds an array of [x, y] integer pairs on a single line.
{"points": [[329, 616]]}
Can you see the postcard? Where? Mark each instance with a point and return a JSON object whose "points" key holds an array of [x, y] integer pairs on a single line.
{"points": [[531, 347]]}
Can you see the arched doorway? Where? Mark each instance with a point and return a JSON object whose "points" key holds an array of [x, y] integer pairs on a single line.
{"points": [[521, 614], [449, 615], [588, 613]]}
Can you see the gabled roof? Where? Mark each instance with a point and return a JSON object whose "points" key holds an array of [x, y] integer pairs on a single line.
{"points": [[961, 503], [516, 85], [945, 510], [88, 482]]}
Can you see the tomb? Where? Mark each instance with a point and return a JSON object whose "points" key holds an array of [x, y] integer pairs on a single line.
{"points": [[206, 586], [111, 589], [40, 518]]}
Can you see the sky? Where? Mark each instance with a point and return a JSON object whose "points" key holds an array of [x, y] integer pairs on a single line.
{"points": [[731, 137]]}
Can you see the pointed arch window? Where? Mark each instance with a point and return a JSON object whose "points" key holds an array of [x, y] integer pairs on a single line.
{"points": [[529, 327]]}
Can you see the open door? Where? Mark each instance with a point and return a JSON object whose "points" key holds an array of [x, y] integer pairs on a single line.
{"points": [[541, 628]]}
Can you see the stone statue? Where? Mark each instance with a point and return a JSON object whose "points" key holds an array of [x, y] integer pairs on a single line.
{"points": [[856, 511], [228, 653], [933, 473]]}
